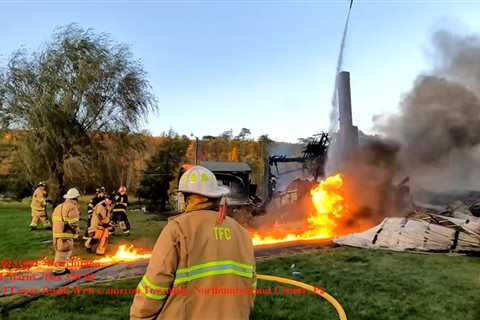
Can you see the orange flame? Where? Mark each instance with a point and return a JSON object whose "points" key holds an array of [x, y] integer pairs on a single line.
{"points": [[124, 253], [329, 207], [39, 265]]}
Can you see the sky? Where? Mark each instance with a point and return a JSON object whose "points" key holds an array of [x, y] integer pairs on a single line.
{"points": [[268, 66]]}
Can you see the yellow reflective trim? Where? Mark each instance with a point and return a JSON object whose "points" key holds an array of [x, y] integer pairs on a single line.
{"points": [[215, 263], [62, 235], [150, 284], [141, 288], [150, 295], [192, 178], [213, 273]]}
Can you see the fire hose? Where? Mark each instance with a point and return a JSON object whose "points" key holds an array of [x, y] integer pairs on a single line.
{"points": [[320, 292]]}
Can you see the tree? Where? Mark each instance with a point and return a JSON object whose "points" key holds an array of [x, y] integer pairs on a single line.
{"points": [[113, 166], [78, 84], [227, 135], [265, 139], [162, 169], [243, 134], [13, 181]]}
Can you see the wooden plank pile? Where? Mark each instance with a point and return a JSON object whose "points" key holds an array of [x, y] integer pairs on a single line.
{"points": [[454, 229]]}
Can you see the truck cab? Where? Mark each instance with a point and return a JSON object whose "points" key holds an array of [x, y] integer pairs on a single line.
{"points": [[237, 176]]}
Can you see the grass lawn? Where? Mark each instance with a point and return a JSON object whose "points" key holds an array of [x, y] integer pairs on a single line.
{"points": [[369, 284]]}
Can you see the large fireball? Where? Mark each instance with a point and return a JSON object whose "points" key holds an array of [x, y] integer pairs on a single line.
{"points": [[329, 206]]}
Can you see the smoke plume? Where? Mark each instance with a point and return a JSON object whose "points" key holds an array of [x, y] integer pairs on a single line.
{"points": [[370, 175], [438, 125]]}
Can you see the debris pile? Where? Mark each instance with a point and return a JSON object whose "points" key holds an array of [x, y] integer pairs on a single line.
{"points": [[454, 228]]}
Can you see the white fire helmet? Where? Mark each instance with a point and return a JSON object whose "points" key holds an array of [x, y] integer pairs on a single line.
{"points": [[72, 194], [199, 180]]}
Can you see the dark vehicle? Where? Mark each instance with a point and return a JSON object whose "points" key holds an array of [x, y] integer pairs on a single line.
{"points": [[237, 177]]}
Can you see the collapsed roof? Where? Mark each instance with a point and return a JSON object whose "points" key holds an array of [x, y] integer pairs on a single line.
{"points": [[422, 231]]}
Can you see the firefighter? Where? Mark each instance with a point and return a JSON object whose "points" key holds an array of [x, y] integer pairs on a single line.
{"points": [[198, 250], [99, 227], [65, 220], [99, 197], [39, 207], [120, 210]]}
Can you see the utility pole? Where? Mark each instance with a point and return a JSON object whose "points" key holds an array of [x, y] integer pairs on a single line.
{"points": [[196, 150], [195, 153]]}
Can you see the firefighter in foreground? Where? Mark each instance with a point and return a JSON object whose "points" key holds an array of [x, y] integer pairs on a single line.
{"points": [[65, 220], [39, 207], [197, 251], [99, 228], [99, 197], [120, 210]]}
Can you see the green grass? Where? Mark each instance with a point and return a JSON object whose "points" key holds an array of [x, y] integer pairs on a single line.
{"points": [[369, 284], [377, 285]]}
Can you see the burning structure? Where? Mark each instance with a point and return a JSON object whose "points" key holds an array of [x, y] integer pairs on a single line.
{"points": [[362, 195], [306, 208], [316, 219]]}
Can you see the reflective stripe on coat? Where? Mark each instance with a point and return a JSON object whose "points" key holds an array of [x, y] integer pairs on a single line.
{"points": [[198, 270]]}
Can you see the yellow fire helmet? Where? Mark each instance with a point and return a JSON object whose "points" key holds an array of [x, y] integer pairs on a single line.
{"points": [[200, 180]]}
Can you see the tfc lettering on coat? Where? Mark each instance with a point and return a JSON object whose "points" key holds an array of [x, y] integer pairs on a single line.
{"points": [[222, 233]]}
